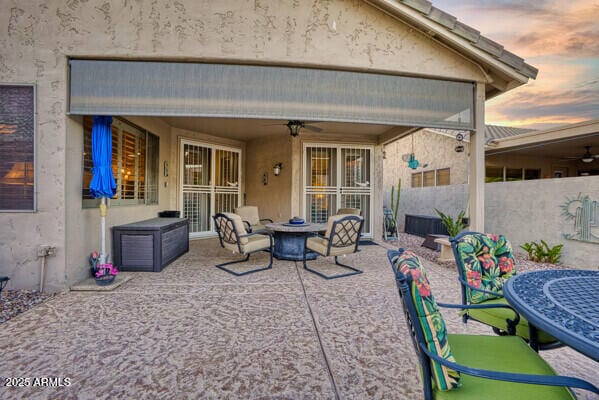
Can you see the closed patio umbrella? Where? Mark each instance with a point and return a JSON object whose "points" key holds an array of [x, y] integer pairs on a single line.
{"points": [[102, 184]]}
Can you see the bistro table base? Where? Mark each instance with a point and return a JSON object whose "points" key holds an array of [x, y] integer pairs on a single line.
{"points": [[290, 246]]}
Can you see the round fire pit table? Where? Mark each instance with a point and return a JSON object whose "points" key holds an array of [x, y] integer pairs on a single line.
{"points": [[290, 240]]}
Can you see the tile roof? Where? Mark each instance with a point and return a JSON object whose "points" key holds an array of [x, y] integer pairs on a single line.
{"points": [[472, 35], [492, 132]]}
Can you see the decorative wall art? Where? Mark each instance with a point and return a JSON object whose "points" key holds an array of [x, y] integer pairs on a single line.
{"points": [[583, 212]]}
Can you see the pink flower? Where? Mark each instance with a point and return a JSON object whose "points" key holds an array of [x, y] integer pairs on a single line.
{"points": [[486, 260]]}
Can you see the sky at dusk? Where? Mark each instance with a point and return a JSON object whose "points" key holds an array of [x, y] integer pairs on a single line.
{"points": [[560, 38]]}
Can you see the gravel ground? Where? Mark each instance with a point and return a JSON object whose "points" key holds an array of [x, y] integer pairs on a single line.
{"points": [[13, 302]]}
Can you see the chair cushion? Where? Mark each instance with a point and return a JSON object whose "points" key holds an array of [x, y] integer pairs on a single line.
{"points": [[487, 262], [239, 226], [430, 319], [253, 243], [497, 317], [499, 353], [348, 211], [249, 214], [320, 245]]}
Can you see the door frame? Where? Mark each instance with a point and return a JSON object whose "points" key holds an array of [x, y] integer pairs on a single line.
{"points": [[213, 147], [339, 146]]}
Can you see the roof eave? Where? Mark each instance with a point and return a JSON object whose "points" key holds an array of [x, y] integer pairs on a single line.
{"points": [[446, 29]]}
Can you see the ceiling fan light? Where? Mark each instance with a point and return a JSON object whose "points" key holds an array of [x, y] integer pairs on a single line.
{"points": [[587, 159], [294, 127]]}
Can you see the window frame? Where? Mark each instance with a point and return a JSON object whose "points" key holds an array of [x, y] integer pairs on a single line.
{"points": [[34, 207], [138, 132]]}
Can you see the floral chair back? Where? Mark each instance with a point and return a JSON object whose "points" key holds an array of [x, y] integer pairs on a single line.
{"points": [[484, 261]]}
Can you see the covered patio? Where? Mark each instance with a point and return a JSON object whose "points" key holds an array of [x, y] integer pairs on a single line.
{"points": [[193, 331]]}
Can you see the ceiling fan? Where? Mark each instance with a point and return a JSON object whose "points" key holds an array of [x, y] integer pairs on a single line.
{"points": [[295, 125], [587, 157]]}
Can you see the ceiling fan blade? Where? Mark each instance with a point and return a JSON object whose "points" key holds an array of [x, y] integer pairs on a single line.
{"points": [[312, 128]]}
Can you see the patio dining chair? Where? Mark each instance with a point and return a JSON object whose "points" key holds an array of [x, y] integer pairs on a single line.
{"points": [[251, 218], [484, 263], [233, 236], [457, 366], [341, 237]]}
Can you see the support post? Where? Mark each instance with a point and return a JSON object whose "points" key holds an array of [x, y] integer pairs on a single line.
{"points": [[476, 179]]}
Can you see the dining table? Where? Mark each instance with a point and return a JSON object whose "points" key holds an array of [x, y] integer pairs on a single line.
{"points": [[564, 303]]}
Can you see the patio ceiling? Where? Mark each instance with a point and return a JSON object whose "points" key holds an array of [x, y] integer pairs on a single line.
{"points": [[247, 129]]}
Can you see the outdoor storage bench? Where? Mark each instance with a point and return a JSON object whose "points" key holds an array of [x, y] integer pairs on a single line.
{"points": [[149, 245]]}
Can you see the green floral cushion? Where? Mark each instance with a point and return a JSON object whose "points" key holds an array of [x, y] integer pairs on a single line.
{"points": [[430, 319], [487, 262]]}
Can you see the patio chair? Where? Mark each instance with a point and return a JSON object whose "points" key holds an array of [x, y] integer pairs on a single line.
{"points": [[349, 211], [342, 237], [484, 263], [455, 366], [251, 218], [233, 236]]}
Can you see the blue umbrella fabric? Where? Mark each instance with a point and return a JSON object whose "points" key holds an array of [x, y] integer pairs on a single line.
{"points": [[102, 183]]}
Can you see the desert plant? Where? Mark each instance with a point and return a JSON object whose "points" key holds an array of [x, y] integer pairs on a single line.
{"points": [[453, 226], [543, 252]]}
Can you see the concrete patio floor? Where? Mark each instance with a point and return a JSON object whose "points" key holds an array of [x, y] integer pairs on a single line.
{"points": [[193, 331]]}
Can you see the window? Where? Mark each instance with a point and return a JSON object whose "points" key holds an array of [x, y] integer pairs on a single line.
{"points": [[443, 177], [494, 174], [428, 178], [134, 164], [417, 179], [532, 174], [17, 145], [513, 174], [435, 177]]}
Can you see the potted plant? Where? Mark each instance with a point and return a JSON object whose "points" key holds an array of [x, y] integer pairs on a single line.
{"points": [[103, 273], [453, 226]]}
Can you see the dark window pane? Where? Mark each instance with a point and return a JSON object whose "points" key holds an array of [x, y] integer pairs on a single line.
{"points": [[513, 174], [17, 132], [532, 174], [494, 174]]}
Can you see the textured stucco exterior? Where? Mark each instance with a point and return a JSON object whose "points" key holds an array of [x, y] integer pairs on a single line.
{"points": [[524, 211], [39, 37]]}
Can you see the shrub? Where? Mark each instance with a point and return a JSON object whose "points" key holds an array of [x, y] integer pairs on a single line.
{"points": [[542, 252]]}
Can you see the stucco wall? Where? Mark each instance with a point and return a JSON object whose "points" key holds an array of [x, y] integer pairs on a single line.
{"points": [[523, 211], [39, 36], [431, 148], [274, 198]]}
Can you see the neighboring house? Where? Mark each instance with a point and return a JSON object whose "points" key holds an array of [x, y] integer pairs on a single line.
{"points": [[526, 197], [201, 93]]}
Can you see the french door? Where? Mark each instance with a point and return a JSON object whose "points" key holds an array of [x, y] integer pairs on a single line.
{"points": [[338, 176], [209, 183]]}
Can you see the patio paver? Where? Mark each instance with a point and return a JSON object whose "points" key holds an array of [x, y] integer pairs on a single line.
{"points": [[193, 331]]}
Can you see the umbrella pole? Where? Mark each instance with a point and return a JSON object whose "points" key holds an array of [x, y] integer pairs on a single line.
{"points": [[103, 230]]}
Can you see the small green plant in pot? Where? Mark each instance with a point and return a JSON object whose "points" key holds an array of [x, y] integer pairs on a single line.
{"points": [[453, 226]]}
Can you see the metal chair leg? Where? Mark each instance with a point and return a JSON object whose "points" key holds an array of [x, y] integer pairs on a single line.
{"points": [[222, 266], [355, 271]]}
